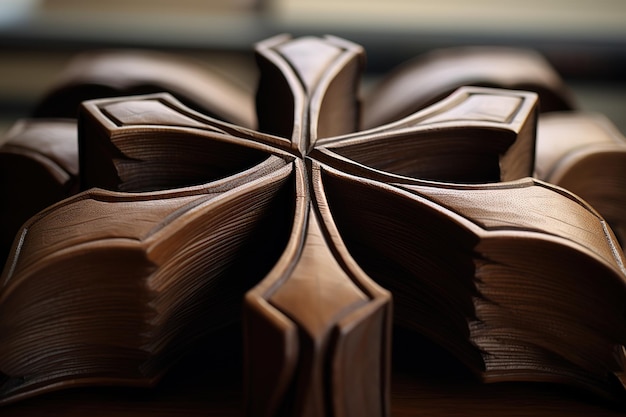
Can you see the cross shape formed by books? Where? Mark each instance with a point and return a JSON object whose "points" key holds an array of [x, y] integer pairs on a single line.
{"points": [[314, 223]]}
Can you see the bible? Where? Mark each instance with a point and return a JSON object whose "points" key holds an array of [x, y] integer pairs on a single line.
{"points": [[322, 225]]}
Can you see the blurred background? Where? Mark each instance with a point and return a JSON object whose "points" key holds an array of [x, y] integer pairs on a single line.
{"points": [[584, 39]]}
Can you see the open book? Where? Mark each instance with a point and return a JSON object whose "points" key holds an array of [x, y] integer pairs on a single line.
{"points": [[321, 227]]}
